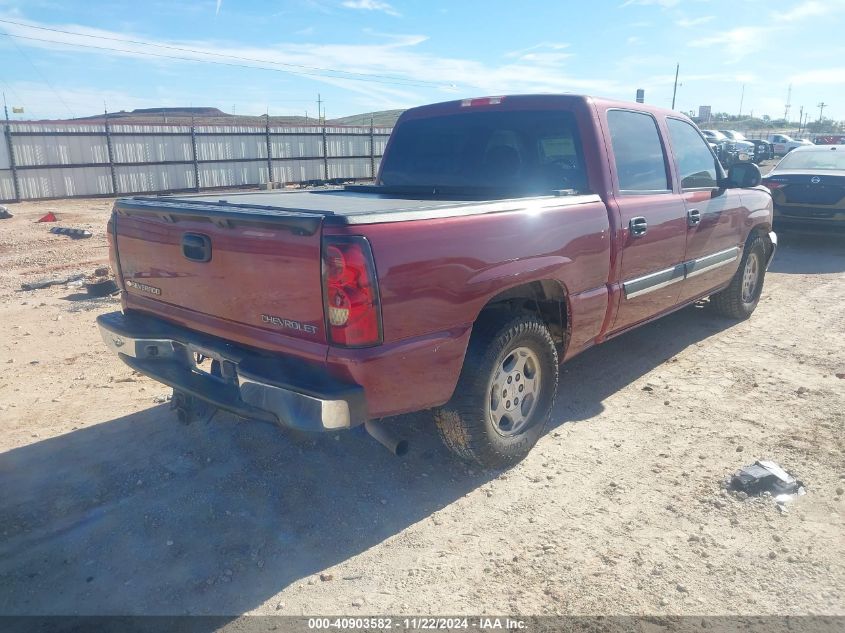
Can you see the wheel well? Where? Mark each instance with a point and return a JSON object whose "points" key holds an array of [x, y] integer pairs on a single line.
{"points": [[546, 299], [763, 231]]}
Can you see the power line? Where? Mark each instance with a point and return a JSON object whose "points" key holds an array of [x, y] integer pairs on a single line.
{"points": [[315, 70], [44, 79]]}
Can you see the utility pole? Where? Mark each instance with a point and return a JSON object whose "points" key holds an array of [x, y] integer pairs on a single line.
{"points": [[822, 106], [788, 104], [741, 100], [10, 149], [319, 107], [675, 89], [800, 119], [110, 150], [372, 150]]}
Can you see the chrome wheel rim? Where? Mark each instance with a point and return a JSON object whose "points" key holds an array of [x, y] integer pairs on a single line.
{"points": [[514, 391], [750, 277]]}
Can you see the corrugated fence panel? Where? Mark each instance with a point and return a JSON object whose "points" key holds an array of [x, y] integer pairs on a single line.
{"points": [[239, 154], [60, 150], [64, 183], [7, 187], [296, 146], [54, 128], [347, 145], [229, 147], [4, 153], [147, 178], [288, 171], [380, 143], [232, 174], [150, 149], [164, 130], [356, 168]]}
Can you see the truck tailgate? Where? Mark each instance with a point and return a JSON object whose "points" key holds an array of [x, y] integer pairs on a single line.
{"points": [[245, 265]]}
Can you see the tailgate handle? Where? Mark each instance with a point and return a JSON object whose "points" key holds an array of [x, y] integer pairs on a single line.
{"points": [[196, 247]]}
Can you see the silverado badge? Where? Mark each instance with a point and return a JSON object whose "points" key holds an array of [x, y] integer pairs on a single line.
{"points": [[143, 287]]}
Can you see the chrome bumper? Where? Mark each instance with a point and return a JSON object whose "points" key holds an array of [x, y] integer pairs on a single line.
{"points": [[285, 391]]}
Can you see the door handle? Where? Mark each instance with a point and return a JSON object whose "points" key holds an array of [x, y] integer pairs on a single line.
{"points": [[196, 247], [638, 226], [693, 217]]}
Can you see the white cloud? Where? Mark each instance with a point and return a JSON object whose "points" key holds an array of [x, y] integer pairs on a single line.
{"points": [[811, 9], [737, 43], [219, 4], [821, 76], [371, 5], [543, 54], [686, 23], [554, 46], [537, 69]]}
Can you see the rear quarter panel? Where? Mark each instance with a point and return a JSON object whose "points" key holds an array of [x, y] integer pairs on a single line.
{"points": [[436, 276]]}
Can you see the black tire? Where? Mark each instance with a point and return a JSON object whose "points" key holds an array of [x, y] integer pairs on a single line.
{"points": [[466, 423], [738, 301]]}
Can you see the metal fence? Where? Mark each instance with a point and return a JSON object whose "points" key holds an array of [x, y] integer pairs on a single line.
{"points": [[43, 160]]}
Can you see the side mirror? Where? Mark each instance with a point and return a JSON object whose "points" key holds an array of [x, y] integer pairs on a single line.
{"points": [[744, 175]]}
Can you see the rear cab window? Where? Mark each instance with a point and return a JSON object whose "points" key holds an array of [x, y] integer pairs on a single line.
{"points": [[638, 153], [521, 152]]}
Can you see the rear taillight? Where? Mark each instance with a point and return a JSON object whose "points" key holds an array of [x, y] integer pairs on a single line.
{"points": [[114, 261], [350, 292], [773, 184]]}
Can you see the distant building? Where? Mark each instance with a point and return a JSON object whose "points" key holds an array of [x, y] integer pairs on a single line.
{"points": [[704, 113]]}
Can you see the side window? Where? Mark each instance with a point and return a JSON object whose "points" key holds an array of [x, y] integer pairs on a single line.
{"points": [[637, 151], [695, 160]]}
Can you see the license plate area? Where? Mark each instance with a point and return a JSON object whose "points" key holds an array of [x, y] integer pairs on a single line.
{"points": [[211, 364]]}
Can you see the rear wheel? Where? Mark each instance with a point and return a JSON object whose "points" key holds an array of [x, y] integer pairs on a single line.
{"points": [[741, 297], [505, 392]]}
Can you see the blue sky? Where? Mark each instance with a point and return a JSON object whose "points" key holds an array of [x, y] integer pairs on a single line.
{"points": [[364, 55]]}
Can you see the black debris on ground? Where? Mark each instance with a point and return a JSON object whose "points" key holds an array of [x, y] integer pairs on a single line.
{"points": [[765, 476], [74, 233]]}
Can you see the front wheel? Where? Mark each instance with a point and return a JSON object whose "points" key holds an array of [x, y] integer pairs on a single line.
{"points": [[741, 297], [505, 392]]}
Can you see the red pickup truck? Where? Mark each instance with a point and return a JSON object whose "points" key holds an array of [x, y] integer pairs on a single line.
{"points": [[504, 235]]}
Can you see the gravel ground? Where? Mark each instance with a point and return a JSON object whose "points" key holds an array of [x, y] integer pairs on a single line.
{"points": [[110, 506]]}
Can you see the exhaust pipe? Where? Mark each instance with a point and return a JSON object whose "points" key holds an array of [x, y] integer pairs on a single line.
{"points": [[379, 432]]}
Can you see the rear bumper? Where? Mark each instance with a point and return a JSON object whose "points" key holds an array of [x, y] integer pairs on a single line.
{"points": [[295, 394], [809, 218]]}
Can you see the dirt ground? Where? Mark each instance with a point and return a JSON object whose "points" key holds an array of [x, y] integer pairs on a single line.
{"points": [[108, 505]]}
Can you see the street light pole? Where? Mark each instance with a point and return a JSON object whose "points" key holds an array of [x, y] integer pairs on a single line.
{"points": [[675, 89]]}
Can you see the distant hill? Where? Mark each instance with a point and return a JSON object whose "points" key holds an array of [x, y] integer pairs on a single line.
{"points": [[215, 116], [384, 117]]}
